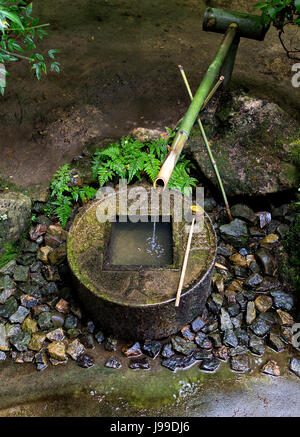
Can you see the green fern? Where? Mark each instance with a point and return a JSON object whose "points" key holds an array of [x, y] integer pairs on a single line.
{"points": [[131, 159]]}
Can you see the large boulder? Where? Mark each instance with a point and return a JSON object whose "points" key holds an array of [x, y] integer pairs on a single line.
{"points": [[15, 213], [255, 147]]}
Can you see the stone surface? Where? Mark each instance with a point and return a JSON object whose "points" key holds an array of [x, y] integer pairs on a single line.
{"points": [[183, 346], [176, 362], [271, 367], [139, 363], [15, 212], [267, 261], [20, 341], [263, 303], [235, 233], [251, 313], [113, 363], [75, 349], [20, 315], [57, 350], [252, 154], [85, 361], [295, 366], [282, 301], [240, 363], [133, 350], [210, 364], [243, 212]]}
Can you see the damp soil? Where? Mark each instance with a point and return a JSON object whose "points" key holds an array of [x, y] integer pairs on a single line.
{"points": [[119, 70]]}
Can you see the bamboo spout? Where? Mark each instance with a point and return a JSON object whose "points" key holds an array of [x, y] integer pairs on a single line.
{"points": [[171, 160], [194, 108]]}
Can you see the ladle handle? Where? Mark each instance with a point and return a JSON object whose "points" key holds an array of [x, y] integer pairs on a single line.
{"points": [[184, 265]]}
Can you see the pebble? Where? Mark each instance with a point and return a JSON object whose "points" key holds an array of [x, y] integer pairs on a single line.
{"points": [[41, 361], [183, 346], [152, 348], [253, 281], [271, 367], [282, 301], [242, 336], [269, 240], [229, 338], [295, 366], [225, 320], [45, 320], [99, 337], [174, 363], [210, 364], [275, 343], [56, 335], [6, 283], [71, 322], [87, 340], [267, 261], [167, 351], [110, 344], [251, 313], [21, 273], [139, 363], [264, 218], [197, 324], [132, 351], [20, 315], [235, 233], [20, 341], [6, 294], [285, 318], [85, 361], [263, 303], [9, 308], [187, 333], [37, 342], [221, 353], [57, 350], [203, 341], [29, 325], [113, 363], [244, 212], [63, 306], [239, 350], [75, 349], [4, 345], [28, 301], [2, 356], [240, 363]]}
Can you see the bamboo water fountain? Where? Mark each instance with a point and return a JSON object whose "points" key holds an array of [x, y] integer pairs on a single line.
{"points": [[128, 296]]}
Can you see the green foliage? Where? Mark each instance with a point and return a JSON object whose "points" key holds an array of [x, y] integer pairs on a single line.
{"points": [[280, 13], [131, 159], [64, 195], [19, 34], [11, 251], [127, 159], [291, 243]]}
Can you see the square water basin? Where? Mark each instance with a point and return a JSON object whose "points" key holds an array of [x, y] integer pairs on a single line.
{"points": [[139, 244]]}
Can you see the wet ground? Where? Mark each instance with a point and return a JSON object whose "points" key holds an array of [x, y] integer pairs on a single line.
{"points": [[119, 69], [69, 390]]}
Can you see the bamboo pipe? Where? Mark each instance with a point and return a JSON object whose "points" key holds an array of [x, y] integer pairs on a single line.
{"points": [[211, 157], [194, 108]]}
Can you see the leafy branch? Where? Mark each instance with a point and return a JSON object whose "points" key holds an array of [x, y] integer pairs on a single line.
{"points": [[281, 13], [19, 34]]}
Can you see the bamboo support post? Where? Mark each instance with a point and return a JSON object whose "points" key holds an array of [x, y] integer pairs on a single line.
{"points": [[210, 154], [195, 107]]}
